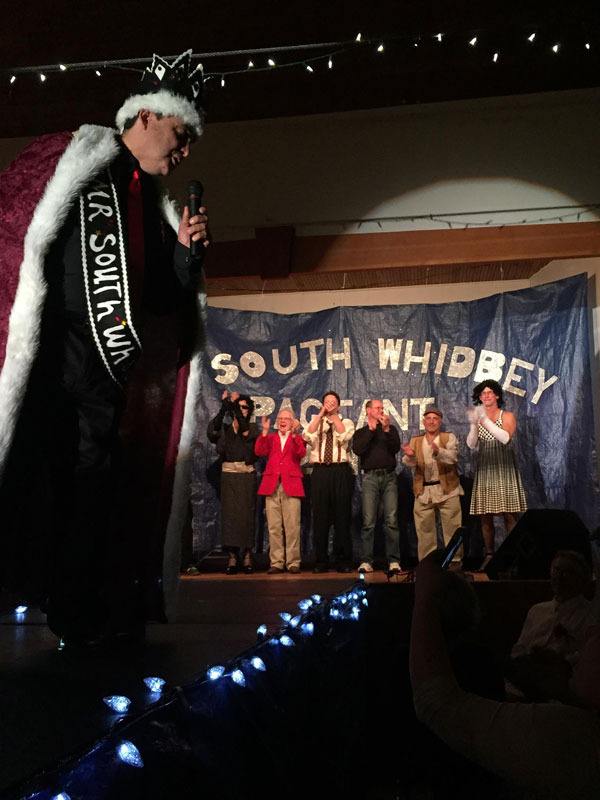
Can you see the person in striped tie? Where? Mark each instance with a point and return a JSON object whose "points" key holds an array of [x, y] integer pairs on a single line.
{"points": [[332, 483]]}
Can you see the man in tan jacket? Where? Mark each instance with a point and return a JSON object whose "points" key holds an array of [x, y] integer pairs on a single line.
{"points": [[436, 486]]}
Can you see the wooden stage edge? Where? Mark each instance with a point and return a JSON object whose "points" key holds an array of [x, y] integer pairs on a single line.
{"points": [[308, 575]]}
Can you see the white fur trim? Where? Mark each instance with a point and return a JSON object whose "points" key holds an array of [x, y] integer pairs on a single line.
{"points": [[183, 466], [163, 102], [91, 149]]}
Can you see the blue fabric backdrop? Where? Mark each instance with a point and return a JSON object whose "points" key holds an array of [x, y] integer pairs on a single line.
{"points": [[535, 342]]}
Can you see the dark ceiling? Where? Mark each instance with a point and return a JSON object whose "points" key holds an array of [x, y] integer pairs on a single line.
{"points": [[42, 33]]}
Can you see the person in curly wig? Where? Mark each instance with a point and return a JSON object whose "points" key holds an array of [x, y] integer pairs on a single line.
{"points": [[235, 440], [497, 488]]}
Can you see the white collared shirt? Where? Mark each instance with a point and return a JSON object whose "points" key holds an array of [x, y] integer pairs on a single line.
{"points": [[448, 455], [540, 626], [340, 442]]}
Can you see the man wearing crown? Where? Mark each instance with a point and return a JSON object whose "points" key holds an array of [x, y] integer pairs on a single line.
{"points": [[98, 290]]}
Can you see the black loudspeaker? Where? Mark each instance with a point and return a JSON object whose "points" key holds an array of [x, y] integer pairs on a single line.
{"points": [[530, 547]]}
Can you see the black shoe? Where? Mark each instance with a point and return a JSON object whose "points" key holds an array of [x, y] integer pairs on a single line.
{"points": [[294, 570], [82, 642], [321, 568], [275, 571], [247, 565], [231, 569]]}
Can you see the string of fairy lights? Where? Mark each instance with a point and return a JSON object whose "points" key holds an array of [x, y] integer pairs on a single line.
{"points": [[319, 57], [121, 749]]}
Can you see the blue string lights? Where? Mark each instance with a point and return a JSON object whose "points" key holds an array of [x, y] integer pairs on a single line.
{"points": [[298, 639]]}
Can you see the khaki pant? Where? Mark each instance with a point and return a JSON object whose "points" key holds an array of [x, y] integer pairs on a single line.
{"points": [[450, 517], [283, 515]]}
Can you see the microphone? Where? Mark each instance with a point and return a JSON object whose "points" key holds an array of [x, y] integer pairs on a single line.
{"points": [[195, 192]]}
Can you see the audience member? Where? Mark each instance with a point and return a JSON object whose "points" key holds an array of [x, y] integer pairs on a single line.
{"points": [[560, 624], [549, 750]]}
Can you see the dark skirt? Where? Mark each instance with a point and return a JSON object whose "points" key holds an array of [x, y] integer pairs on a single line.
{"points": [[238, 509]]}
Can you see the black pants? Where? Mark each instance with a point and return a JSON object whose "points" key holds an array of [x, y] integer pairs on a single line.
{"points": [[331, 497], [58, 488]]}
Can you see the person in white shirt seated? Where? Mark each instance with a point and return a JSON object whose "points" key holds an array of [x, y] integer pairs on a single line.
{"points": [[560, 624]]}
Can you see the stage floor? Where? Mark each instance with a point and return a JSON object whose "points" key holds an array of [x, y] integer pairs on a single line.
{"points": [[51, 701]]}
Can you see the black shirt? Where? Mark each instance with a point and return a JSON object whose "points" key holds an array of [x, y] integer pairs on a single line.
{"points": [[168, 270], [376, 449]]}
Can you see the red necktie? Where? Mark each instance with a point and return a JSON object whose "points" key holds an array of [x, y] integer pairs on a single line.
{"points": [[135, 249]]}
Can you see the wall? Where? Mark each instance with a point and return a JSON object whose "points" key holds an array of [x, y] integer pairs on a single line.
{"points": [[478, 156], [501, 159]]}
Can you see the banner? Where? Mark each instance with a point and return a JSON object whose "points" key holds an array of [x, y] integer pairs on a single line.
{"points": [[534, 342]]}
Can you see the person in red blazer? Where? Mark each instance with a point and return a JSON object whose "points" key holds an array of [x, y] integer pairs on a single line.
{"points": [[282, 485]]}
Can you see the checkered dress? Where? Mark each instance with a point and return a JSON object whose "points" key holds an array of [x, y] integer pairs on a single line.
{"points": [[497, 488]]}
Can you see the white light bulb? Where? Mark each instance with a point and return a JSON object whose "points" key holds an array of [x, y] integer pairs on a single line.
{"points": [[309, 68], [42, 77], [286, 641], [214, 673], [587, 46], [473, 41], [271, 63], [258, 664], [334, 613], [222, 81], [555, 47], [316, 598], [250, 64], [438, 36], [62, 796], [531, 37], [117, 703], [330, 63], [285, 616], [13, 78], [495, 57], [98, 73], [62, 67], [261, 630], [381, 48], [129, 754], [308, 628], [295, 621], [358, 37], [154, 684], [237, 676], [20, 609], [304, 605]]}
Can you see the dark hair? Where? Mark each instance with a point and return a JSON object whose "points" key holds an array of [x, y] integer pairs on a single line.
{"points": [[249, 401], [488, 384], [335, 394], [578, 560]]}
